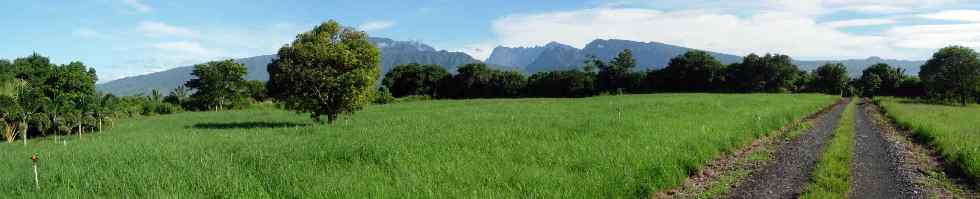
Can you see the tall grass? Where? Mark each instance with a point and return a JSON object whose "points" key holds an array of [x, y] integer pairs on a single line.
{"points": [[832, 177], [601, 147], [953, 130]]}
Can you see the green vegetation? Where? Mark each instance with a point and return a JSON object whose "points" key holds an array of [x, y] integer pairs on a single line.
{"points": [[831, 179], [953, 131], [600, 147], [953, 73], [217, 85], [330, 70]]}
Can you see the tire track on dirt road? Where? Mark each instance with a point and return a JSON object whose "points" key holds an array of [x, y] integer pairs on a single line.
{"points": [[875, 170], [793, 162]]}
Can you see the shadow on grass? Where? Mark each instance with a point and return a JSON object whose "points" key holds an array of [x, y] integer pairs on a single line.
{"points": [[247, 125]]}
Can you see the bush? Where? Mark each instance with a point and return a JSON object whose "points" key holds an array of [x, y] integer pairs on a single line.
{"points": [[383, 96]]}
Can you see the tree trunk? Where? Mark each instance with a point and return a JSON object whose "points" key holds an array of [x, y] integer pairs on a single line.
{"points": [[100, 124], [331, 118], [79, 131], [24, 131], [963, 98]]}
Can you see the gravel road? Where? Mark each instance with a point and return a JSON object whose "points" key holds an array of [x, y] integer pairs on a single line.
{"points": [[792, 163]]}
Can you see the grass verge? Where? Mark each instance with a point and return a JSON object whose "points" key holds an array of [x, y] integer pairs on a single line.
{"points": [[600, 147], [831, 178]]}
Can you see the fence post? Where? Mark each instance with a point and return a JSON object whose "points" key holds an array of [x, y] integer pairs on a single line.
{"points": [[37, 184]]}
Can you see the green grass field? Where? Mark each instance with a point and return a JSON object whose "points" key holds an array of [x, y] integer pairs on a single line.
{"points": [[831, 179], [953, 130], [600, 147]]}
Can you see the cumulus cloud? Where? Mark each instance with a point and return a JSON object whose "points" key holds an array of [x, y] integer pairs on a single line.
{"points": [[779, 32], [375, 25], [138, 5], [936, 36], [156, 29], [860, 23], [956, 15]]}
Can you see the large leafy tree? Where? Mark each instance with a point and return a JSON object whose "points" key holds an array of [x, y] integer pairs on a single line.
{"points": [[471, 81], [769, 73], [32, 101], [616, 74], [831, 78], [693, 71], [413, 79], [891, 78], [329, 70], [952, 73], [217, 84]]}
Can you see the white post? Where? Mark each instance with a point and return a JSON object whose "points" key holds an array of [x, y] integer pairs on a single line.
{"points": [[37, 185]]}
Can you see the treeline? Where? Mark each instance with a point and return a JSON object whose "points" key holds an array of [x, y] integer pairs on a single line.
{"points": [[694, 71], [215, 86], [38, 98]]}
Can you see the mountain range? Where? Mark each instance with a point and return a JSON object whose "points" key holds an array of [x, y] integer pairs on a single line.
{"points": [[552, 56], [393, 53]]}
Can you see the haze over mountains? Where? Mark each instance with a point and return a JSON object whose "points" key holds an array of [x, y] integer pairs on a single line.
{"points": [[553, 56]]}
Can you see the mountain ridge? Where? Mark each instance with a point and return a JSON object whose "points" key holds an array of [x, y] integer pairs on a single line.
{"points": [[552, 56]]}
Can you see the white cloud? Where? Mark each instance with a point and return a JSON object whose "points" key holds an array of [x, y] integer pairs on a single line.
{"points": [[156, 29], [860, 22], [779, 32], [138, 5], [376, 25], [956, 15], [936, 36], [480, 51]]}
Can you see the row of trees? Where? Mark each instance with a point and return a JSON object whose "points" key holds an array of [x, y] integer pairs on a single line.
{"points": [[950, 74], [41, 98], [695, 71]]}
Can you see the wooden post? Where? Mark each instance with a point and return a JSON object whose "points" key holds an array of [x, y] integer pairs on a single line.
{"points": [[37, 185]]}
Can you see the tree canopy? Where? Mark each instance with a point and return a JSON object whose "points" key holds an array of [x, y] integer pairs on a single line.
{"points": [[831, 78], [414, 79], [693, 71], [329, 70], [952, 73], [216, 84]]}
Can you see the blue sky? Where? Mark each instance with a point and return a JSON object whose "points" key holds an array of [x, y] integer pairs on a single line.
{"points": [[130, 37]]}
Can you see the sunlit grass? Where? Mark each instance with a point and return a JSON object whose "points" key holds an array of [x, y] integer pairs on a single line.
{"points": [[601, 147], [953, 130]]}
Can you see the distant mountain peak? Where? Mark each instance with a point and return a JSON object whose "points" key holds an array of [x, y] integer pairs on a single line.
{"points": [[393, 53]]}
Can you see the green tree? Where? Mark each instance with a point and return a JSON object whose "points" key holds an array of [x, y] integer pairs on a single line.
{"points": [[693, 71], [953, 72], [890, 77], [615, 76], [414, 79], [769, 73], [255, 89], [217, 84], [9, 109], [831, 78], [871, 85], [32, 101], [383, 96], [330, 70], [177, 97]]}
